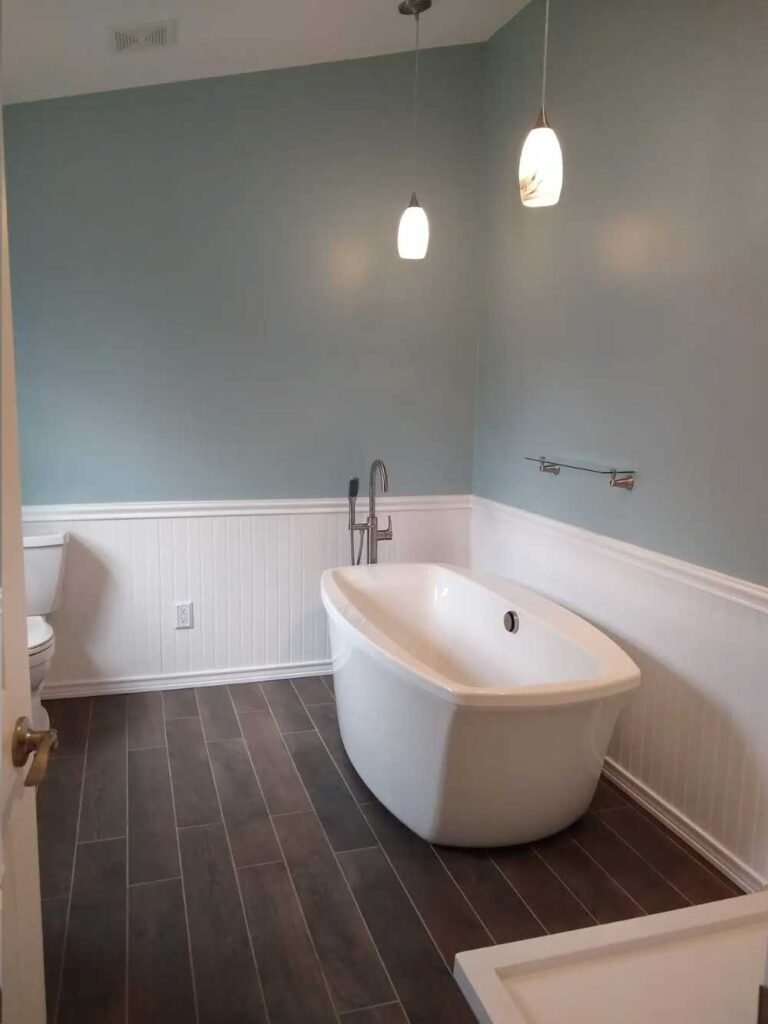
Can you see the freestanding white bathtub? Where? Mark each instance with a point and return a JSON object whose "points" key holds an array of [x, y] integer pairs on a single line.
{"points": [[471, 734]]}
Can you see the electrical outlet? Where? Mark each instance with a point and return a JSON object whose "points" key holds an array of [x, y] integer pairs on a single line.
{"points": [[184, 615]]}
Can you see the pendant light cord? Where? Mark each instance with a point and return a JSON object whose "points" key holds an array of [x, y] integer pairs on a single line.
{"points": [[546, 55], [416, 91]]}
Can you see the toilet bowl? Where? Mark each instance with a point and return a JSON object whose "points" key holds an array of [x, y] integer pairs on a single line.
{"points": [[41, 643], [44, 574]]}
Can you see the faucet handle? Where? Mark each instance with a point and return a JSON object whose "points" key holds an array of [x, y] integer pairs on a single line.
{"points": [[386, 534]]}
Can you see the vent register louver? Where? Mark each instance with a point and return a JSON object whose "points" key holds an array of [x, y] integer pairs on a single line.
{"points": [[157, 36]]}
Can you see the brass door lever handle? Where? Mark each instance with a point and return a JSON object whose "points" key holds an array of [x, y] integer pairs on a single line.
{"points": [[39, 742]]}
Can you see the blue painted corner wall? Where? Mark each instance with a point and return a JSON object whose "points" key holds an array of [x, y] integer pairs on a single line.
{"points": [[208, 298], [209, 303], [627, 325]]}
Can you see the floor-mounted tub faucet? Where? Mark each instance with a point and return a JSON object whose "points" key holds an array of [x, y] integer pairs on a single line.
{"points": [[370, 528]]}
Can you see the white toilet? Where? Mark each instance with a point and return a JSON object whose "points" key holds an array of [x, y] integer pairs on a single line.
{"points": [[44, 574]]}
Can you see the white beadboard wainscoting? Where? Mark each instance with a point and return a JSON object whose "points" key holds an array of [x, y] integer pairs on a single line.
{"points": [[693, 743], [251, 569]]}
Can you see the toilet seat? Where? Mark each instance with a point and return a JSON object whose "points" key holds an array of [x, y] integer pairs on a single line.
{"points": [[40, 637]]}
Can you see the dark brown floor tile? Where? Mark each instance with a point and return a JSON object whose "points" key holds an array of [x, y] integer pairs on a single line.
{"points": [[451, 921], [103, 814], [180, 704], [193, 789], [351, 964], [762, 1012], [502, 911], [70, 719], [291, 978], [58, 805], [290, 714], [111, 709], [312, 690], [277, 774], [392, 1013], [93, 978], [554, 905], [225, 975], [340, 815], [690, 877], [635, 875], [734, 889], [426, 988], [217, 713], [146, 725], [607, 796], [326, 722], [152, 845], [328, 680], [159, 977], [247, 697], [604, 899], [54, 928], [245, 814]]}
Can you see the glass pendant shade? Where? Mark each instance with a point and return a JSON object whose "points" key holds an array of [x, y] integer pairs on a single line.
{"points": [[413, 233], [541, 167]]}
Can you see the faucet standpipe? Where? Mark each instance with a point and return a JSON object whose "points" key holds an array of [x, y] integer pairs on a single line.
{"points": [[369, 530]]}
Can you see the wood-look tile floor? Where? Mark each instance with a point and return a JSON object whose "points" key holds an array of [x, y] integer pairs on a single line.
{"points": [[210, 856]]}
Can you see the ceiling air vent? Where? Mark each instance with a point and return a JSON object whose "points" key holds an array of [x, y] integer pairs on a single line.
{"points": [[158, 36]]}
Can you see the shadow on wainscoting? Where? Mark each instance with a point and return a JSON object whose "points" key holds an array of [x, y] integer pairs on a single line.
{"points": [[79, 620], [683, 748]]}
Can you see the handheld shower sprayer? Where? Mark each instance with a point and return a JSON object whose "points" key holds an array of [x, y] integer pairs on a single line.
{"points": [[354, 490]]}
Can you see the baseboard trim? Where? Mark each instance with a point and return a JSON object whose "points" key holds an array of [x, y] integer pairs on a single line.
{"points": [[144, 684], [683, 827]]}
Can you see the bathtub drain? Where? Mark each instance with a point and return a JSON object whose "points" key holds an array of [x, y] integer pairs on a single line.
{"points": [[511, 622]]}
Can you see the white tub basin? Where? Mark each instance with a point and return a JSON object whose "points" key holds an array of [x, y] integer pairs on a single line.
{"points": [[471, 734]]}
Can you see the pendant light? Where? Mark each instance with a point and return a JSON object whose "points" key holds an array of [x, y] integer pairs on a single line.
{"points": [[413, 233], [541, 161]]}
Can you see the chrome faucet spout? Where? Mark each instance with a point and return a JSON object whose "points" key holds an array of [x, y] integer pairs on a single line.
{"points": [[377, 466]]}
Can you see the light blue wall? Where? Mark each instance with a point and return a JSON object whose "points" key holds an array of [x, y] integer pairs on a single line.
{"points": [[208, 298], [629, 324]]}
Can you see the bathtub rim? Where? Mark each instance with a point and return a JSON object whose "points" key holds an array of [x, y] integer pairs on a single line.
{"points": [[619, 673]]}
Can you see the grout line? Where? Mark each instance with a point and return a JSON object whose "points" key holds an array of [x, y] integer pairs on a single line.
{"points": [[373, 1006], [155, 881], [101, 839], [520, 896], [360, 849], [288, 872], [549, 867], [235, 868], [467, 900], [335, 763], [297, 732], [181, 868], [410, 899], [667, 832], [608, 874], [199, 824], [65, 939], [645, 859]]}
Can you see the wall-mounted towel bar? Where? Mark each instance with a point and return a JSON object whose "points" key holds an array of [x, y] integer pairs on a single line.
{"points": [[623, 478]]}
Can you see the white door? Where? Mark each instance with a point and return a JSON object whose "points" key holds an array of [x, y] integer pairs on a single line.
{"points": [[23, 987]]}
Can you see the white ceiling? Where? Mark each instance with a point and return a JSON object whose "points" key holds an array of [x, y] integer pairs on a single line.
{"points": [[62, 47]]}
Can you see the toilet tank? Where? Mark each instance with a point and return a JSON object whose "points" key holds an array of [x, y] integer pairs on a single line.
{"points": [[44, 571]]}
